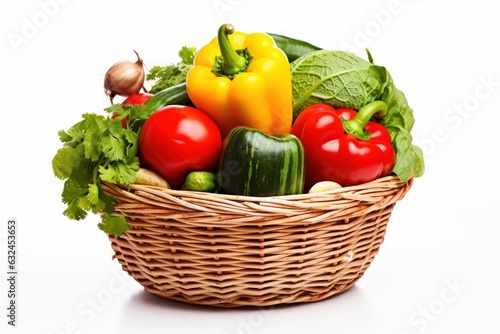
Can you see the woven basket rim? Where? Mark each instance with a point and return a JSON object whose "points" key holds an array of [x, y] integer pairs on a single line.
{"points": [[349, 201], [359, 192]]}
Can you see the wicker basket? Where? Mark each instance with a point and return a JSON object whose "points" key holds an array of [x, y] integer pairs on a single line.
{"points": [[231, 251]]}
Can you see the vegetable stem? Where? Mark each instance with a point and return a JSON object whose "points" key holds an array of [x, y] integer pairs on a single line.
{"points": [[356, 126], [233, 62]]}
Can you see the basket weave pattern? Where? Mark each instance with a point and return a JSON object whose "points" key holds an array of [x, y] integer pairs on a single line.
{"points": [[231, 251]]}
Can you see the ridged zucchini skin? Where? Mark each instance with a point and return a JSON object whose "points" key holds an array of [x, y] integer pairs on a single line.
{"points": [[253, 163]]}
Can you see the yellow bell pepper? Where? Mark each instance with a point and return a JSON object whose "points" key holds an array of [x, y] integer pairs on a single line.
{"points": [[242, 79]]}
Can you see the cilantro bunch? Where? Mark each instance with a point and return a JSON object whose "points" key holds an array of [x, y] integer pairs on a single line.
{"points": [[99, 149], [96, 149]]}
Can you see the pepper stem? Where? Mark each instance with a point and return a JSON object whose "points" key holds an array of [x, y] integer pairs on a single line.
{"points": [[231, 62], [356, 126]]}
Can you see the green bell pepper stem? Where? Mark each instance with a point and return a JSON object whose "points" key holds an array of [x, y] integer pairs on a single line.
{"points": [[233, 62], [356, 126]]}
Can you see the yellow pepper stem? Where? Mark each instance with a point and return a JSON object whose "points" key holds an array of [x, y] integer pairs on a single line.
{"points": [[231, 62]]}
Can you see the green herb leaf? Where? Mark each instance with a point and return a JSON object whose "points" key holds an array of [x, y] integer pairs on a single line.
{"points": [[173, 74], [65, 161], [106, 202], [114, 225], [187, 55], [112, 147], [93, 194], [132, 145], [64, 136], [73, 191], [118, 172], [72, 194], [75, 212], [91, 143]]}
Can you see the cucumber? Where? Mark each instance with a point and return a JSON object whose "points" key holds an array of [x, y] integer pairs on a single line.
{"points": [[169, 96], [293, 48], [253, 163]]}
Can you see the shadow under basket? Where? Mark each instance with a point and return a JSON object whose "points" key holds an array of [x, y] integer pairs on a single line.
{"points": [[231, 251]]}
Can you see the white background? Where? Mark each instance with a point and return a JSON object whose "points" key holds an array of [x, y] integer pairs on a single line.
{"points": [[437, 271]]}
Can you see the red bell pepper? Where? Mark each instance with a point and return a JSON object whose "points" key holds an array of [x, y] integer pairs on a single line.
{"points": [[343, 145]]}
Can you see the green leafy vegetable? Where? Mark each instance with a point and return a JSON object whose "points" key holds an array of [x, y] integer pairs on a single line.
{"points": [[114, 225], [98, 148], [337, 78], [174, 74], [342, 79]]}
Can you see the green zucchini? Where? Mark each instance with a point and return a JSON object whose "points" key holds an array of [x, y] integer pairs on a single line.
{"points": [[293, 48], [254, 163], [169, 96]]}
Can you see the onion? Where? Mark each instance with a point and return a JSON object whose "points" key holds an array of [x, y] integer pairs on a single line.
{"points": [[124, 78]]}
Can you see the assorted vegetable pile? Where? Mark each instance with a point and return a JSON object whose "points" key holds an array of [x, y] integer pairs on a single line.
{"points": [[255, 114]]}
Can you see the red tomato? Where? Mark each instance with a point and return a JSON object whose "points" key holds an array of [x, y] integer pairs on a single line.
{"points": [[176, 140], [139, 98]]}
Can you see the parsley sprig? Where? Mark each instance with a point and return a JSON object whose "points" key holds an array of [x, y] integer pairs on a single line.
{"points": [[96, 149], [173, 74]]}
